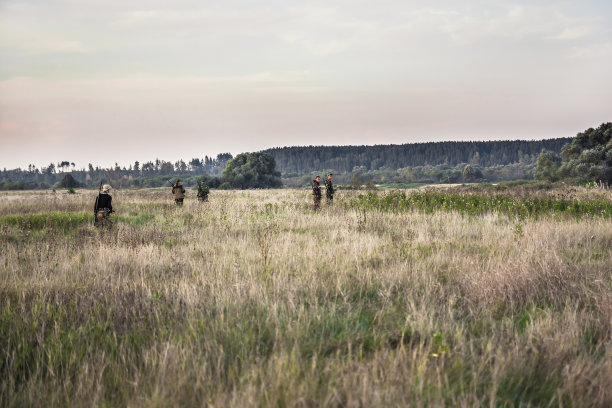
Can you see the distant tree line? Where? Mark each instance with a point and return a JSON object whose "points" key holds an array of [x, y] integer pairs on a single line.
{"points": [[149, 174], [412, 176], [247, 170], [586, 157], [347, 159], [420, 163]]}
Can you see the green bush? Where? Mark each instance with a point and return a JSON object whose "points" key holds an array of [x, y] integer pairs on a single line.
{"points": [[68, 182], [252, 170]]}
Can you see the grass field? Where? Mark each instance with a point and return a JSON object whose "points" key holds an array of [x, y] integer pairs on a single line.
{"points": [[429, 298]]}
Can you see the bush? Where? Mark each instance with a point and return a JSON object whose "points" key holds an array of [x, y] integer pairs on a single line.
{"points": [[587, 158], [252, 170], [68, 182]]}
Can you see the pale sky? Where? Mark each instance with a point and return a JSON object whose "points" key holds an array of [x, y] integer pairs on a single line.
{"points": [[118, 81]]}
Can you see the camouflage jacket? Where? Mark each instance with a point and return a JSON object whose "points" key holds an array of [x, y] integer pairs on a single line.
{"points": [[329, 188], [316, 188], [203, 190], [178, 191]]}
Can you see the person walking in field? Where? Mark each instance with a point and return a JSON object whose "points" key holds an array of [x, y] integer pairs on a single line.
{"points": [[329, 189], [316, 192], [179, 192], [103, 208], [203, 191]]}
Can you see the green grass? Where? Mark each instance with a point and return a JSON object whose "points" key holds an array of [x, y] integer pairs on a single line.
{"points": [[401, 185], [58, 221], [134, 218], [65, 221], [51, 334], [55, 332], [474, 204]]}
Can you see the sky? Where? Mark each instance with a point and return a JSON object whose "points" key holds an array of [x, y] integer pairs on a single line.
{"points": [[117, 81]]}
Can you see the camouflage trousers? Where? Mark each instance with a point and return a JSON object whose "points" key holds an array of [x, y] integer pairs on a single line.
{"points": [[103, 219], [317, 202], [178, 201]]}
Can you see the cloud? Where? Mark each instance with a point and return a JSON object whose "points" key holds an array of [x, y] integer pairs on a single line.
{"points": [[597, 51], [515, 22], [58, 47], [24, 36], [572, 33]]}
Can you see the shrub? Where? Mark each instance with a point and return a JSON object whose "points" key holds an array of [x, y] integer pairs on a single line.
{"points": [[252, 170], [68, 182]]}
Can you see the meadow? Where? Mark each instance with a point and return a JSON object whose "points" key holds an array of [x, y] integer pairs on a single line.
{"points": [[460, 297]]}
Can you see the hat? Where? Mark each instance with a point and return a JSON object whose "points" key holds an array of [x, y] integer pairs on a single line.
{"points": [[106, 188]]}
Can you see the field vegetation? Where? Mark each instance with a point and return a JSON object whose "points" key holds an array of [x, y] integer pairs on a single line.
{"points": [[462, 297]]}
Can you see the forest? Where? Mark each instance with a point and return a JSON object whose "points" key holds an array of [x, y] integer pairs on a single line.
{"points": [[345, 159], [435, 162]]}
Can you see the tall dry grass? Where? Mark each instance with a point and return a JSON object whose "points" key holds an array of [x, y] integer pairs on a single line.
{"points": [[253, 299]]}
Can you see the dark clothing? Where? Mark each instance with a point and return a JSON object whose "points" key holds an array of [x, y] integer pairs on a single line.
{"points": [[329, 190], [178, 191], [316, 194], [104, 200], [102, 209], [203, 192], [316, 188]]}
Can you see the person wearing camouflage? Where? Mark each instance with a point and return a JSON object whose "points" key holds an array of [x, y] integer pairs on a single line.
{"points": [[329, 189], [179, 193], [202, 191], [316, 192], [103, 208]]}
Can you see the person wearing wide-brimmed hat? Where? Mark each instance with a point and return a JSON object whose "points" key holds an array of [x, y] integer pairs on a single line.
{"points": [[103, 207]]}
